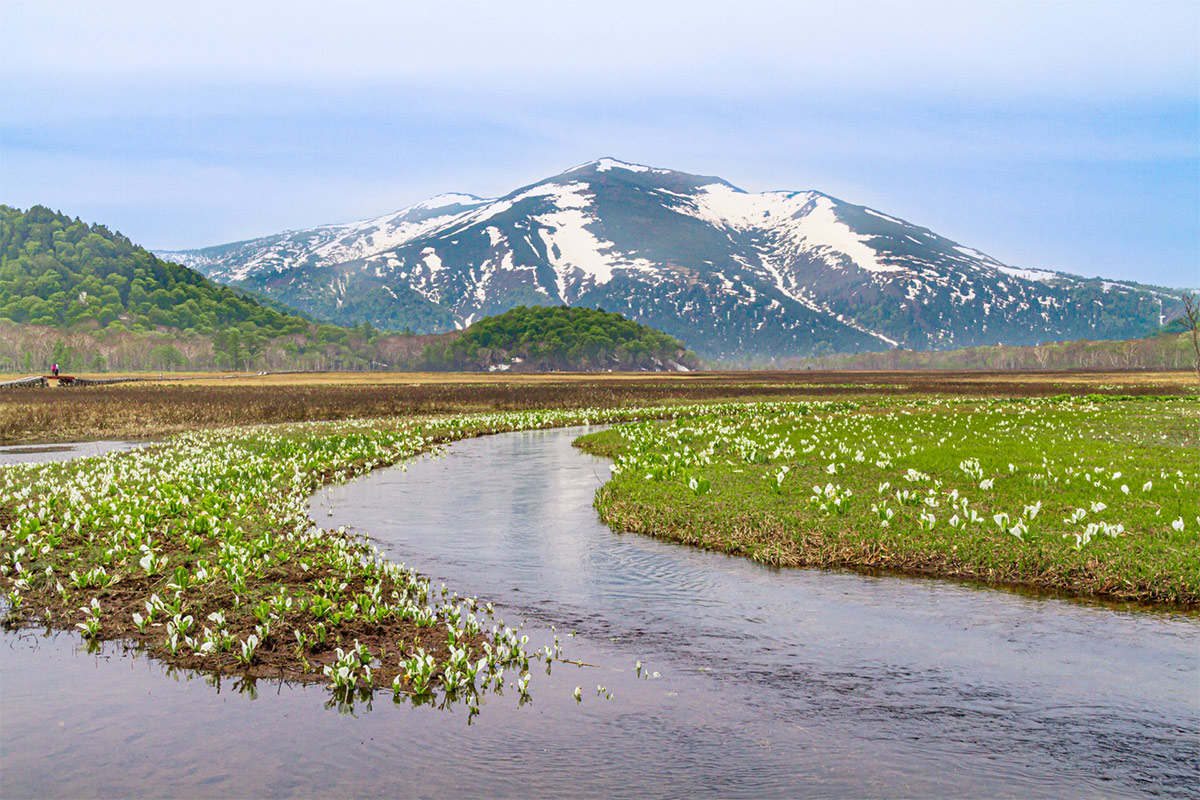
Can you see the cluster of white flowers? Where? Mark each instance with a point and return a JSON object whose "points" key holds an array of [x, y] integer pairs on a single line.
{"points": [[961, 461], [220, 514]]}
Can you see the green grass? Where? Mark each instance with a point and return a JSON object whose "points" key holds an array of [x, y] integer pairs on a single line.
{"points": [[1099, 495]]}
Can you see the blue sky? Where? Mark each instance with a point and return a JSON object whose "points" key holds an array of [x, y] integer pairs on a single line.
{"points": [[1063, 135]]}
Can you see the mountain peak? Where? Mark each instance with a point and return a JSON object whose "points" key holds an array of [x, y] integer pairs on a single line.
{"points": [[450, 199], [609, 163]]}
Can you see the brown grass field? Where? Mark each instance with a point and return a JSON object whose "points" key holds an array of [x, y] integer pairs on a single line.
{"points": [[158, 408]]}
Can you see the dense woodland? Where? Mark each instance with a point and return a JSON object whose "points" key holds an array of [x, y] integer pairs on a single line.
{"points": [[541, 338], [90, 299], [62, 272]]}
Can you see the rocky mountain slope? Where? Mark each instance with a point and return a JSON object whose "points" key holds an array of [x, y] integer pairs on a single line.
{"points": [[736, 275]]}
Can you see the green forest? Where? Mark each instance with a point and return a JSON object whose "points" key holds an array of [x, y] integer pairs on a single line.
{"points": [[89, 299], [542, 338], [59, 271]]}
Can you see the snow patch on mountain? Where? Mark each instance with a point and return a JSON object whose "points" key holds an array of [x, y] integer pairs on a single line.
{"points": [[1041, 275], [605, 164], [824, 233], [805, 220], [875, 213], [336, 244], [450, 199], [431, 260], [579, 257], [563, 196]]}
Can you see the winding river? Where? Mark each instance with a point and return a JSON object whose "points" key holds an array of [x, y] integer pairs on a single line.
{"points": [[756, 682]]}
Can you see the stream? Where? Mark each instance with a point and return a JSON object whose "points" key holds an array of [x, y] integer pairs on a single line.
{"points": [[756, 681], [36, 453]]}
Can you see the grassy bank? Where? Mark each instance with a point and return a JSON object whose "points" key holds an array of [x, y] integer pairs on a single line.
{"points": [[1094, 496], [200, 551]]}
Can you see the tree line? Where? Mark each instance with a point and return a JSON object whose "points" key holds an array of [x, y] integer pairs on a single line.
{"points": [[1166, 350]]}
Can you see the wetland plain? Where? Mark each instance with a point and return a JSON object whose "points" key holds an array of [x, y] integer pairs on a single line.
{"points": [[437, 574]]}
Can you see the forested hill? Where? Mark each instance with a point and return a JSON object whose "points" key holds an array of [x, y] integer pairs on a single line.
{"points": [[62, 272], [543, 338], [90, 299]]}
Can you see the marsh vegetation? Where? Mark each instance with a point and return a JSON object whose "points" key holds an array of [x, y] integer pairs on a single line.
{"points": [[1095, 495], [201, 552]]}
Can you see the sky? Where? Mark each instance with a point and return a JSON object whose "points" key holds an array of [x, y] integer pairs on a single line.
{"points": [[1061, 135]]}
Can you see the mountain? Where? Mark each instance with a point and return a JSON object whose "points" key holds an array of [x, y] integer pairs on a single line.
{"points": [[738, 275]]}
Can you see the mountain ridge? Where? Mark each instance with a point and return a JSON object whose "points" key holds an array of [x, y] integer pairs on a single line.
{"points": [[738, 275]]}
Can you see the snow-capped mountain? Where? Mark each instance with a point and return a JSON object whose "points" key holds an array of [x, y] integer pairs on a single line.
{"points": [[734, 274]]}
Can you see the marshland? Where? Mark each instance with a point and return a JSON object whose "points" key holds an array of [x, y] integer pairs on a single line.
{"points": [[864, 556]]}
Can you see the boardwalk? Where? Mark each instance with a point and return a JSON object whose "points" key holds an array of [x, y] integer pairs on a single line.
{"points": [[44, 381]]}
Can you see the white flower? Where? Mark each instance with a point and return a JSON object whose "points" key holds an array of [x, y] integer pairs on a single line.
{"points": [[1178, 524]]}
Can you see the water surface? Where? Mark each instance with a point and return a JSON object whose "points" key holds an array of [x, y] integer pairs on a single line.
{"points": [[30, 453]]}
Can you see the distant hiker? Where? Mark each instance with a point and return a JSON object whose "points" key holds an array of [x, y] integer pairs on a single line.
{"points": [[54, 369]]}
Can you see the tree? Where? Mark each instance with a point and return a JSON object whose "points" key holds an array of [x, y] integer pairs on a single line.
{"points": [[61, 354], [1191, 321], [166, 357]]}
